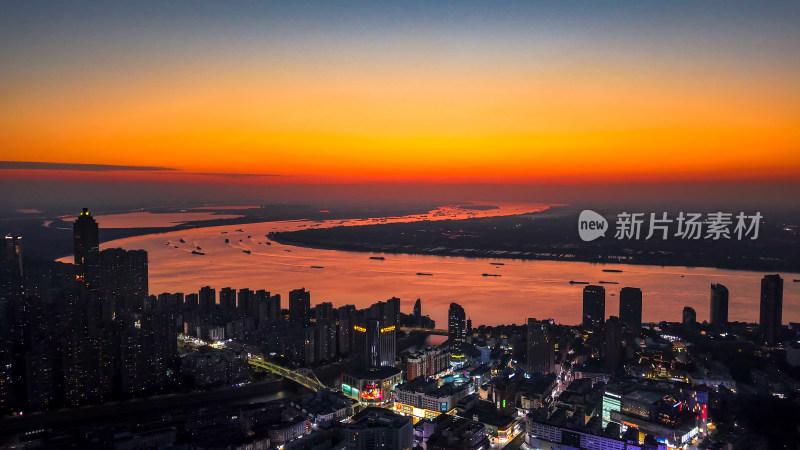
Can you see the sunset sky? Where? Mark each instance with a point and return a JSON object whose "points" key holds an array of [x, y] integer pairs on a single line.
{"points": [[556, 93]]}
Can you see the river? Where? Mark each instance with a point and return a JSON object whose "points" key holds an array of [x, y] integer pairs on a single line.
{"points": [[539, 289]]}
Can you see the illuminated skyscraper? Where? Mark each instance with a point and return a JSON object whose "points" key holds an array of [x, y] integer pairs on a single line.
{"points": [[719, 305], [630, 308], [594, 305], [375, 344], [771, 307], [456, 325], [86, 240]]}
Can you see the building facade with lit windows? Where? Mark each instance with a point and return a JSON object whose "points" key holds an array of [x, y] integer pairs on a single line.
{"points": [[427, 399], [427, 363], [378, 428], [86, 241]]}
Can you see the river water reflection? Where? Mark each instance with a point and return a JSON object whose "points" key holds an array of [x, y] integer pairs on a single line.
{"points": [[524, 289]]}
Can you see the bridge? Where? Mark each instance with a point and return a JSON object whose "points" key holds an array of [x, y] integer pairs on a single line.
{"points": [[437, 331], [304, 377]]}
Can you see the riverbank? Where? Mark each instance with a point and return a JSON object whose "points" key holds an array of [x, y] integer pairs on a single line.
{"points": [[551, 236]]}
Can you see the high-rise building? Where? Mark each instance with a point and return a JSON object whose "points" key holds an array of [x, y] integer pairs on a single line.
{"points": [[719, 305], [207, 299], [630, 308], [299, 306], [689, 316], [227, 304], [375, 344], [771, 315], [124, 282], [191, 302], [393, 311], [11, 284], [268, 307], [325, 338], [274, 308], [456, 325], [541, 347], [12, 255], [86, 240], [613, 343], [323, 312], [417, 312], [345, 331], [245, 303], [594, 305]]}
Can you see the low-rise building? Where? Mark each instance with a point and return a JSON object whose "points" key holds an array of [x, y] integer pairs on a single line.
{"points": [[371, 386], [456, 433], [325, 406], [427, 399], [377, 428]]}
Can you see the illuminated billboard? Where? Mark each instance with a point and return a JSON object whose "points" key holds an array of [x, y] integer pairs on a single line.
{"points": [[371, 392]]}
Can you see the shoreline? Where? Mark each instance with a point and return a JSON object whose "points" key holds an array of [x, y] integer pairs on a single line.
{"points": [[283, 237], [525, 256]]}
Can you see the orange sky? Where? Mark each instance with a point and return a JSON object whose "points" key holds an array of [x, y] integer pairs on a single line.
{"points": [[416, 116]]}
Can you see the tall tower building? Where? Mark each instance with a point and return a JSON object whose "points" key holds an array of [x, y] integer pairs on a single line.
{"points": [[456, 325], [541, 347], [771, 307], [630, 308], [86, 240], [300, 306], [12, 255], [11, 284], [11, 267], [393, 311], [719, 305], [417, 311], [594, 305]]}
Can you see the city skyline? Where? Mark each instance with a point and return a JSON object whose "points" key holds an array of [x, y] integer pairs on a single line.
{"points": [[110, 340], [337, 225]]}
